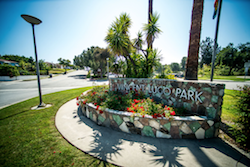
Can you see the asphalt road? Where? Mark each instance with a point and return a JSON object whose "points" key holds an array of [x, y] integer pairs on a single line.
{"points": [[16, 91]]}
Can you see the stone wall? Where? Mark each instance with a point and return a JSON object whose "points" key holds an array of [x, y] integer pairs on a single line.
{"points": [[197, 98], [192, 127]]}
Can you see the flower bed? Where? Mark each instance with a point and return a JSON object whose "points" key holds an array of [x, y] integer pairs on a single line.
{"points": [[143, 116]]}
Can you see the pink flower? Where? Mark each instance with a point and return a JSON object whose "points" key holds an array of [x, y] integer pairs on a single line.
{"points": [[172, 113]]}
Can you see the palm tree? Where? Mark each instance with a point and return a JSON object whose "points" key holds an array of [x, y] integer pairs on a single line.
{"points": [[118, 38], [152, 30], [194, 41], [150, 12], [138, 42]]}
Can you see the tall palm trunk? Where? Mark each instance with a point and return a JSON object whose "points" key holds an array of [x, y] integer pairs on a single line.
{"points": [[194, 41], [150, 12]]}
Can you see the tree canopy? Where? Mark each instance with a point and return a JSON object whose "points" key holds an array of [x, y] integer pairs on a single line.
{"points": [[139, 62], [95, 58]]}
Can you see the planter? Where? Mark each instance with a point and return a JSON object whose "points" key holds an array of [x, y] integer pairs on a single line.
{"points": [[194, 127], [197, 98]]}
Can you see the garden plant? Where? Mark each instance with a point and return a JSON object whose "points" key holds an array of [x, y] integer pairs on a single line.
{"points": [[133, 101]]}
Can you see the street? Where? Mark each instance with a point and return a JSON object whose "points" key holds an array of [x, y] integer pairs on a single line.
{"points": [[17, 91]]}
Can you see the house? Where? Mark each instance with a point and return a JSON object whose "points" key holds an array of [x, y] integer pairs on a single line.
{"points": [[13, 63]]}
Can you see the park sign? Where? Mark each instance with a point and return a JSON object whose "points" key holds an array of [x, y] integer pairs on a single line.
{"points": [[197, 98]]}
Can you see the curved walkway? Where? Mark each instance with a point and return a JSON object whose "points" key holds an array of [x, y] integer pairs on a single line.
{"points": [[133, 150]]}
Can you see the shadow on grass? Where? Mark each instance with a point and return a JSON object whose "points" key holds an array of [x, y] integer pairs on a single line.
{"points": [[9, 116], [108, 143]]}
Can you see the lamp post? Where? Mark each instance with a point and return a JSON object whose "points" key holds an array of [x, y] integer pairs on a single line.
{"points": [[35, 21]]}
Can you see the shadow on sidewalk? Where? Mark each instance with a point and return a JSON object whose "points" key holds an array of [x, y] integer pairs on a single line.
{"points": [[108, 143]]}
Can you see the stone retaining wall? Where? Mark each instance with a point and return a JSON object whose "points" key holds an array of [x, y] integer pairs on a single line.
{"points": [[179, 127], [198, 98]]}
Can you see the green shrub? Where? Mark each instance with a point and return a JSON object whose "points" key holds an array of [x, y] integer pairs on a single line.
{"points": [[8, 70], [241, 130], [134, 102], [163, 76], [88, 75]]}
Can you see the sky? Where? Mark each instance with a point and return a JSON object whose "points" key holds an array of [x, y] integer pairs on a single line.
{"points": [[70, 26]]}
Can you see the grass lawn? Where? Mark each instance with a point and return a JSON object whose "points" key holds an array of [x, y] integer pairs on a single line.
{"points": [[58, 71], [228, 107], [232, 78], [30, 138]]}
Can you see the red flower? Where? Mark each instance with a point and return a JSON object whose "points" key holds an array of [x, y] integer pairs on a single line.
{"points": [[100, 111], [168, 108], [77, 98], [128, 109], [136, 94], [172, 113], [106, 91], [143, 116], [54, 152], [130, 88], [84, 102], [95, 104], [94, 93], [77, 104], [72, 164], [97, 107], [164, 114], [126, 93]]}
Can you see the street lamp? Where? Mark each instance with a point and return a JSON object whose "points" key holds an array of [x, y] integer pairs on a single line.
{"points": [[35, 21]]}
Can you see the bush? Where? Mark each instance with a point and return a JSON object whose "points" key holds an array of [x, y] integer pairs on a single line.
{"points": [[8, 70], [163, 76], [88, 75], [241, 130], [134, 102], [44, 72]]}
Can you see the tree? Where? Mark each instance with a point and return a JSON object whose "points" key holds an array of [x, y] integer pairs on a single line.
{"points": [[183, 63], [206, 51], [243, 54], [175, 67], [138, 65], [194, 40], [64, 62], [95, 58], [228, 57], [150, 13], [8, 70]]}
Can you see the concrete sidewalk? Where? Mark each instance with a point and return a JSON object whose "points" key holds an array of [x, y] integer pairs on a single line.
{"points": [[133, 150]]}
